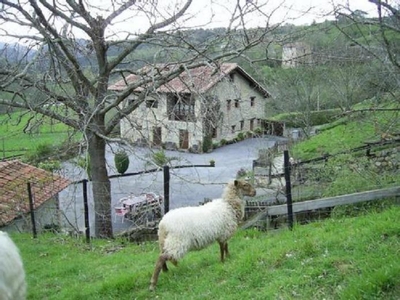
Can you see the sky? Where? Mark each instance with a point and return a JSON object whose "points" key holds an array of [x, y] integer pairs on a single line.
{"points": [[320, 8], [298, 12], [217, 13]]}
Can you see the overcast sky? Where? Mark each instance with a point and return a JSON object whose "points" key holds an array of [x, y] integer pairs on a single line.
{"points": [[297, 12], [217, 13]]}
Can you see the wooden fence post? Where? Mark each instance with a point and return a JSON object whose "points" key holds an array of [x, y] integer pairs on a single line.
{"points": [[289, 203], [166, 188], [32, 210], [86, 210]]}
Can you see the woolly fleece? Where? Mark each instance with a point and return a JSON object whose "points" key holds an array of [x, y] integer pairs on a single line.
{"points": [[194, 228], [12, 274]]}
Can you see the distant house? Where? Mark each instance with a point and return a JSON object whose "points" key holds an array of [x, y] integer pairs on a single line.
{"points": [[296, 54], [14, 196], [204, 105]]}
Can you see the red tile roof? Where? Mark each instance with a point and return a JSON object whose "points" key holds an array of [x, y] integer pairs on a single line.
{"points": [[14, 176], [199, 79]]}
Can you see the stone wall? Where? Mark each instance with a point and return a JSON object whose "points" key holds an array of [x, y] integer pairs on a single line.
{"points": [[388, 159]]}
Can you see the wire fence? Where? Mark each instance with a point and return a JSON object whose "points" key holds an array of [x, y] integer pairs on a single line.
{"points": [[291, 201]]}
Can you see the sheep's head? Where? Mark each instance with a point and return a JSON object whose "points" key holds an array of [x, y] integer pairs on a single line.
{"points": [[245, 187]]}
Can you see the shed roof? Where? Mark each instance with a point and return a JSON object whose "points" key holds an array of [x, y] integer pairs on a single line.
{"points": [[14, 178], [199, 79]]}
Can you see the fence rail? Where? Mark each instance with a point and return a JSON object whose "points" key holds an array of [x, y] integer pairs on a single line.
{"points": [[298, 207]]}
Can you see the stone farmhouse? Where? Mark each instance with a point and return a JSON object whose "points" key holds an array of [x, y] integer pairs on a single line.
{"points": [[205, 105], [296, 54]]}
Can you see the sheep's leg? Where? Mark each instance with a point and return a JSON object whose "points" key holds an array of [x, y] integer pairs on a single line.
{"points": [[223, 247], [162, 259], [164, 267], [174, 262], [226, 250]]}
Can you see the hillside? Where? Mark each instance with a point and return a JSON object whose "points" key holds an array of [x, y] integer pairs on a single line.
{"points": [[342, 258]]}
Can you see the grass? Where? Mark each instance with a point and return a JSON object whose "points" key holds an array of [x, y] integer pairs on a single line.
{"points": [[15, 142], [342, 258], [347, 133]]}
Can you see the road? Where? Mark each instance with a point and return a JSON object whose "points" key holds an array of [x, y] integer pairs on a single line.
{"points": [[188, 186]]}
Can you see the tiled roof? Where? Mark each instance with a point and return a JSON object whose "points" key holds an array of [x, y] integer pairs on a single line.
{"points": [[199, 79], [14, 178]]}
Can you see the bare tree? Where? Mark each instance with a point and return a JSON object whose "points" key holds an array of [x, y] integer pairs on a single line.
{"points": [[74, 49], [377, 37]]}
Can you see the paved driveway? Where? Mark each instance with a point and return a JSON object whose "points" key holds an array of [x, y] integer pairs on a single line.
{"points": [[188, 186]]}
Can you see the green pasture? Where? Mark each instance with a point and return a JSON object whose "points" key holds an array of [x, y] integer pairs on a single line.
{"points": [[20, 133], [340, 258]]}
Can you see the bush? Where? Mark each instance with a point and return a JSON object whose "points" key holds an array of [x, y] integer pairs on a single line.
{"points": [[240, 136], [207, 144], [258, 131], [84, 163], [159, 158], [241, 173], [121, 160], [41, 153], [50, 165], [295, 120]]}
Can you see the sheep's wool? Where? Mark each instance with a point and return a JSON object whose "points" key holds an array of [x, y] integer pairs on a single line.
{"points": [[192, 228], [12, 275]]}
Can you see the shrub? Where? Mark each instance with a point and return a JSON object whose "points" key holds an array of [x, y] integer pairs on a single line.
{"points": [[121, 160], [240, 136], [295, 120], [258, 131], [159, 158], [41, 153], [223, 142], [84, 163], [50, 165], [207, 144], [241, 173]]}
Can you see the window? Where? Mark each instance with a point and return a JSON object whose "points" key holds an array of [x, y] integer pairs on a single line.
{"points": [[241, 125], [233, 128], [214, 133], [236, 103], [181, 107], [251, 124], [228, 104], [151, 103], [252, 101]]}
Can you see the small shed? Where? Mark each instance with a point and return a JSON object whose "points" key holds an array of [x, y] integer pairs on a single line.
{"points": [[14, 196]]}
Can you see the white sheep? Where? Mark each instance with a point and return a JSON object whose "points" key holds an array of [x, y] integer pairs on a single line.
{"points": [[194, 228], [12, 274]]}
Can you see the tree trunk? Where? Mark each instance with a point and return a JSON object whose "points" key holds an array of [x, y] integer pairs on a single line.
{"points": [[101, 186]]}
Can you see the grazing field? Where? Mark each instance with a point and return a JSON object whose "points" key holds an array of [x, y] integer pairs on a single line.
{"points": [[20, 133], [342, 258]]}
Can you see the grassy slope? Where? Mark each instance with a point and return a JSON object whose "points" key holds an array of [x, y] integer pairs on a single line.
{"points": [[14, 141], [349, 258], [348, 133]]}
